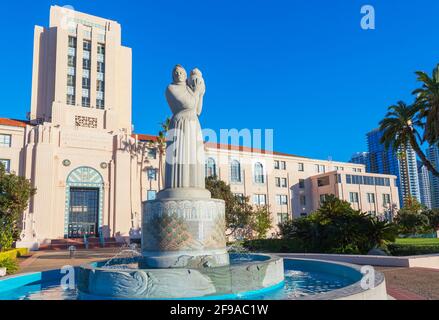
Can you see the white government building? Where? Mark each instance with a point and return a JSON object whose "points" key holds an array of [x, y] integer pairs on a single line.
{"points": [[92, 172]]}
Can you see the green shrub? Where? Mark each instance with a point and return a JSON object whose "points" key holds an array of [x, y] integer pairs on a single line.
{"points": [[337, 228], [10, 264], [412, 250], [412, 223], [274, 246]]}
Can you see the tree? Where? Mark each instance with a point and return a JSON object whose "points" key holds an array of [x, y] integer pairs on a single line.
{"points": [[433, 218], [238, 210], [409, 222], [427, 104], [160, 145], [399, 129], [337, 228], [15, 192], [261, 222]]}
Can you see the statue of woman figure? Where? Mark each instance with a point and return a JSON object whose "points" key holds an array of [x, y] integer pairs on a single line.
{"points": [[185, 156]]}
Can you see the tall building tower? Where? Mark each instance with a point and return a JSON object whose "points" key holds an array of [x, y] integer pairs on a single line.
{"points": [[361, 158], [81, 73], [424, 185], [402, 165], [433, 156]]}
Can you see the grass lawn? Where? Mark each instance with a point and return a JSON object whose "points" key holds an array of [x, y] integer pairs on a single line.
{"points": [[415, 241]]}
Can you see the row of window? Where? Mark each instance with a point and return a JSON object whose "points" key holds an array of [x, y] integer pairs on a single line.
{"points": [[86, 66], [235, 171], [354, 198], [365, 180]]}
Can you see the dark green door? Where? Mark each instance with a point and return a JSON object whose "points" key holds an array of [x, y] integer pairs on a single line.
{"points": [[83, 212]]}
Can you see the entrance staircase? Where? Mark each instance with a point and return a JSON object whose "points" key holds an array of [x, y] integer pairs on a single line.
{"points": [[93, 243]]}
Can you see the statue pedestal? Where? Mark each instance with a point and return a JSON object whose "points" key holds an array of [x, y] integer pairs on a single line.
{"points": [[181, 233]]}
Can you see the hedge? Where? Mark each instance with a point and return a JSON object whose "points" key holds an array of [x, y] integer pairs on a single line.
{"points": [[274, 246], [412, 250], [14, 253]]}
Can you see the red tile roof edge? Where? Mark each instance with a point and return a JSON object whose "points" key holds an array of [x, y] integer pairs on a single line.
{"points": [[14, 123], [221, 146]]}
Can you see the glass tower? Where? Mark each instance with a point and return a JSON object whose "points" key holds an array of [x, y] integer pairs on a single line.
{"points": [[404, 166], [433, 156]]}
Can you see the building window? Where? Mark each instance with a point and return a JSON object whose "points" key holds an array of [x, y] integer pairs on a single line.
{"points": [[86, 102], [7, 164], [259, 173], [71, 65], [101, 48], [87, 45], [276, 165], [101, 67], [152, 153], [302, 200], [260, 199], [71, 80], [320, 168], [281, 182], [86, 83], [301, 167], [86, 64], [100, 103], [281, 200], [353, 197], [302, 183], [338, 178], [235, 171], [151, 195], [324, 181], [72, 42], [282, 217], [303, 214], [240, 197], [371, 198], [5, 140], [323, 198], [210, 168], [152, 174], [100, 86], [71, 61], [283, 165], [71, 99], [386, 199]]}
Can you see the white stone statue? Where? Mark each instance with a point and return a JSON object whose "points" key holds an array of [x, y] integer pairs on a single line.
{"points": [[185, 156]]}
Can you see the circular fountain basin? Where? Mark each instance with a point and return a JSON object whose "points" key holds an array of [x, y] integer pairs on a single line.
{"points": [[122, 279], [304, 279]]}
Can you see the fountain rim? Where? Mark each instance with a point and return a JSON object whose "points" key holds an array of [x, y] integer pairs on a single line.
{"points": [[270, 258], [21, 280]]}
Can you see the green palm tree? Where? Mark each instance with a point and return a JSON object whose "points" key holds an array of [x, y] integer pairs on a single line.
{"points": [[161, 147], [427, 104], [399, 131]]}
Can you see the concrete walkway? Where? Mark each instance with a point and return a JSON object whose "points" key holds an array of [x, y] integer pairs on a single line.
{"points": [[50, 260], [402, 283]]}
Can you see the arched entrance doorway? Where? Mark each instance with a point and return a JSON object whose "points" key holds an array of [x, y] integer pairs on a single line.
{"points": [[84, 202]]}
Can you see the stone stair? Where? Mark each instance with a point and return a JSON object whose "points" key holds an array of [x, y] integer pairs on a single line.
{"points": [[93, 243]]}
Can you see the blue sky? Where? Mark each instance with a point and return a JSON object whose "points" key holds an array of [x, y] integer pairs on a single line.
{"points": [[303, 68]]}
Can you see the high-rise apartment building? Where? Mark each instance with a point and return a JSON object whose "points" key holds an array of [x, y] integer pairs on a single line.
{"points": [[361, 158], [424, 185], [433, 156], [402, 164]]}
